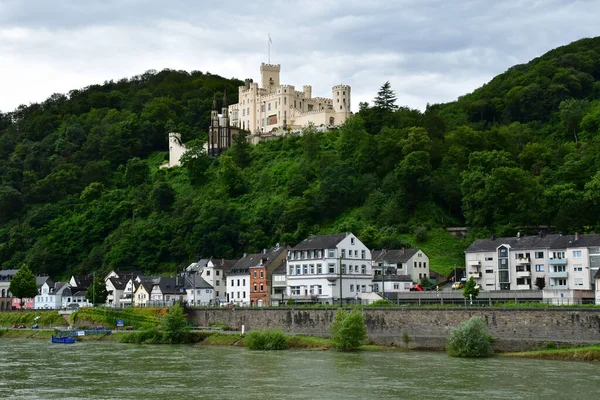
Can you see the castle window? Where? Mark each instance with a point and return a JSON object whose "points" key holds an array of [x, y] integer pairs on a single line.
{"points": [[340, 107], [338, 100], [310, 107], [344, 92], [243, 112], [284, 101], [269, 107]]}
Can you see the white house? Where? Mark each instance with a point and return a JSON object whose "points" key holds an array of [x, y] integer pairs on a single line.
{"points": [[198, 291], [73, 295], [597, 291], [50, 297], [563, 266], [319, 265], [411, 262], [214, 272], [238, 286], [115, 288], [167, 291]]}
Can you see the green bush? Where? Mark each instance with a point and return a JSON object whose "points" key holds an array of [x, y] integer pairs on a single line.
{"points": [[266, 340], [470, 339], [175, 325], [148, 336], [348, 330], [381, 303]]}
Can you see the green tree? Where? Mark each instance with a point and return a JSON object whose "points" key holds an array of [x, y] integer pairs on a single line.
{"points": [[386, 98], [470, 339], [471, 291], [174, 325], [23, 284], [96, 293], [11, 202], [348, 330], [162, 196], [137, 172]]}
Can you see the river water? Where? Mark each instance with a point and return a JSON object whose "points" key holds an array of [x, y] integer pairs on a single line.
{"points": [[35, 369]]}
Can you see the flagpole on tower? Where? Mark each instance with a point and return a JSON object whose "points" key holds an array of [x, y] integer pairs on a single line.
{"points": [[270, 41]]}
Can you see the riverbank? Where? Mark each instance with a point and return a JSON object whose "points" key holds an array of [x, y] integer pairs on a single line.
{"points": [[303, 342], [584, 353]]}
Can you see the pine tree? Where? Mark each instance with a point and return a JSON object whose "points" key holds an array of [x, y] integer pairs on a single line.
{"points": [[386, 98]]}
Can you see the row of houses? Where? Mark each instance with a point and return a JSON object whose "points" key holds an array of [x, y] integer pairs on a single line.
{"points": [[565, 268], [320, 269]]}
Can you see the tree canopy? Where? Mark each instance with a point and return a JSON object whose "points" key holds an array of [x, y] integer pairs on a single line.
{"points": [[23, 284], [81, 189]]}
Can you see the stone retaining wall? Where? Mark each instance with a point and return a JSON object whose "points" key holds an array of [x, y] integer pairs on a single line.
{"points": [[512, 329]]}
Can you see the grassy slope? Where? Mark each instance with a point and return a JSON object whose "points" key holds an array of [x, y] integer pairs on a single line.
{"points": [[444, 250]]}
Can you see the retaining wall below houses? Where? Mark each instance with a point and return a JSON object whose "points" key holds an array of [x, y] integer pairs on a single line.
{"points": [[512, 329]]}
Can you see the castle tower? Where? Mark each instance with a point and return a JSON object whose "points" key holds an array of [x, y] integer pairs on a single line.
{"points": [[213, 134], [307, 89], [269, 75], [225, 139], [341, 98], [176, 149]]}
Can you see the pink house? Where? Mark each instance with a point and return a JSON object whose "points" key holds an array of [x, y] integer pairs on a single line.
{"points": [[16, 303]]}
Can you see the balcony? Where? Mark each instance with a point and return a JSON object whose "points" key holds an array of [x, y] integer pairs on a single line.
{"points": [[523, 287], [474, 263], [558, 287], [557, 261], [523, 261], [560, 274], [523, 274], [475, 274]]}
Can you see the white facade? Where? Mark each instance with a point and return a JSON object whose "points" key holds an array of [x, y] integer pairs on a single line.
{"points": [[313, 274], [391, 285], [176, 150], [199, 297], [238, 288], [272, 108], [565, 264], [213, 274], [48, 299]]}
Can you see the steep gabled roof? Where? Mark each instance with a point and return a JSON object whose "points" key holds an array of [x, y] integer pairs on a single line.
{"points": [[396, 256], [281, 270], [196, 282], [171, 285], [569, 241], [83, 281], [118, 284], [320, 242]]}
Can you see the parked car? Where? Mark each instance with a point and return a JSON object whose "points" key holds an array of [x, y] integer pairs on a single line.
{"points": [[457, 285], [416, 288], [72, 307]]}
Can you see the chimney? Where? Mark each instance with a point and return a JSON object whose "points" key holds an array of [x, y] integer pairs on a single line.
{"points": [[222, 261], [245, 254], [576, 235], [264, 251], [493, 236], [404, 250], [518, 235]]}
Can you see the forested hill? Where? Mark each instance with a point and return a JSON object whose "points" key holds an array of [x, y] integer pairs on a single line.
{"points": [[81, 189]]}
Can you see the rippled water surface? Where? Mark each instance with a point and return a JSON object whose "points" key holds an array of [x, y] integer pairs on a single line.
{"points": [[33, 369]]}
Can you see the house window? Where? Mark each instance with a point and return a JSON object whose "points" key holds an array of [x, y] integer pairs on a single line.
{"points": [[262, 288], [238, 283], [576, 253], [559, 268], [243, 295], [207, 272], [363, 288], [489, 259], [577, 268], [520, 281], [578, 282], [558, 254], [352, 288], [363, 269], [415, 264], [298, 269], [255, 287], [362, 254], [396, 286], [291, 270], [217, 272], [539, 268], [343, 268], [539, 254], [305, 269], [312, 269], [254, 274], [351, 240], [319, 269], [295, 290], [262, 274], [244, 282], [331, 252], [343, 253], [217, 293], [331, 268]]}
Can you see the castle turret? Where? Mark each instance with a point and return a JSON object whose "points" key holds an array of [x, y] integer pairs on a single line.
{"points": [[269, 74], [341, 98], [307, 89]]}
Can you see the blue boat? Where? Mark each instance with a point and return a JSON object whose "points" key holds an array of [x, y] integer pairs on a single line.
{"points": [[62, 339]]}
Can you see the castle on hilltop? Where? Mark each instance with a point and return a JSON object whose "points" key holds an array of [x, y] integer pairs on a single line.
{"points": [[274, 109], [267, 112]]}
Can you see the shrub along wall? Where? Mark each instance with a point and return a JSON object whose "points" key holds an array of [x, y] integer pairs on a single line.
{"points": [[512, 329]]}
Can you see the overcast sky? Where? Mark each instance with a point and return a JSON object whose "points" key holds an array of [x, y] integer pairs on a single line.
{"points": [[431, 51]]}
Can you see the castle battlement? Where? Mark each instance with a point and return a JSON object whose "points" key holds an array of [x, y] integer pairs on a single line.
{"points": [[323, 99], [340, 87], [270, 67]]}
